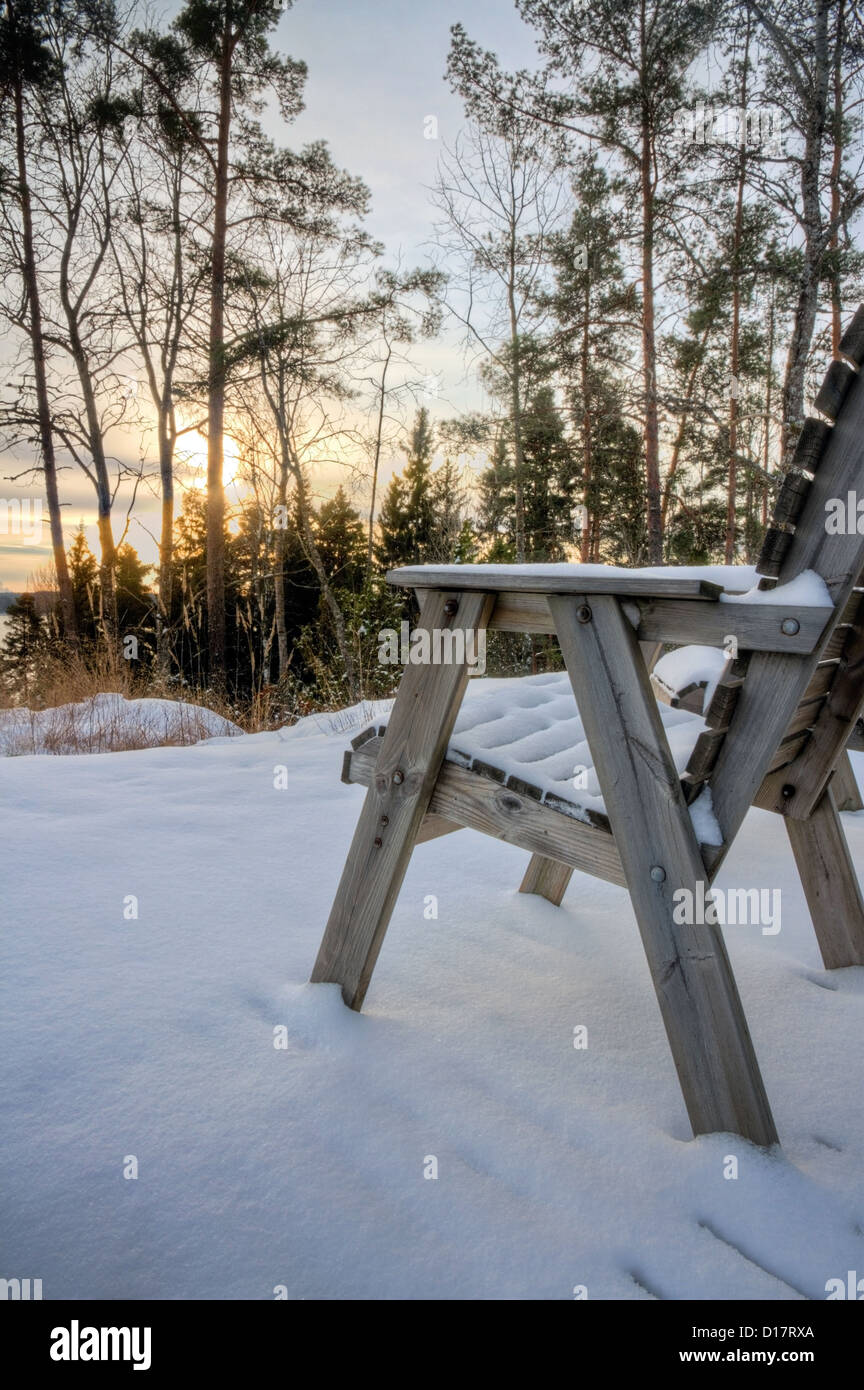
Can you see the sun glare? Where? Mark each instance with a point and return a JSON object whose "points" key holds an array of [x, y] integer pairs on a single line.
{"points": [[193, 452]]}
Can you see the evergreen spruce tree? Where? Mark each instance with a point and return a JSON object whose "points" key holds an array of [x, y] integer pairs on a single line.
{"points": [[341, 541], [25, 638], [406, 522]]}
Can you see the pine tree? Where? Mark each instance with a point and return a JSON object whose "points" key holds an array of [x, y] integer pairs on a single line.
{"points": [[341, 541], [25, 638], [84, 576], [547, 467], [406, 522]]}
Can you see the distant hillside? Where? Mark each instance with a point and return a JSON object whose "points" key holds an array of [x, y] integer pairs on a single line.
{"points": [[44, 600]]}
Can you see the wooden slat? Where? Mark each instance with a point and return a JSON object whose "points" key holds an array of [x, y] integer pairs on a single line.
{"points": [[844, 786], [547, 878], [830, 884], [821, 680], [804, 717], [852, 342], [855, 741], [469, 799], [407, 766], [812, 442], [829, 737], [776, 682], [756, 626], [776, 545], [698, 999], [839, 379], [533, 581], [791, 498]]}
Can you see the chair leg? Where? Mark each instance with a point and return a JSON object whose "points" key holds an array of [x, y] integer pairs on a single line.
{"points": [[830, 884], [696, 991], [844, 785], [411, 755], [547, 878]]}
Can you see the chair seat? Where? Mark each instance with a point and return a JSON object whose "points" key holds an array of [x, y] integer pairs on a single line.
{"points": [[526, 733]]}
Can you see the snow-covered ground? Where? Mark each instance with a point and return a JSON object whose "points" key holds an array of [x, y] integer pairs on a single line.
{"points": [[303, 1166], [107, 723]]}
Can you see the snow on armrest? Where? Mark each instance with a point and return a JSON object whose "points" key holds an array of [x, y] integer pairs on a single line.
{"points": [[704, 582], [687, 678]]}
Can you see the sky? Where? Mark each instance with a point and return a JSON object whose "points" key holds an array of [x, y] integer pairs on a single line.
{"points": [[376, 73]]}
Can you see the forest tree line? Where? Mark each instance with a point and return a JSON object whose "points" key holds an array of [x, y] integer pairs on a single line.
{"points": [[647, 244]]}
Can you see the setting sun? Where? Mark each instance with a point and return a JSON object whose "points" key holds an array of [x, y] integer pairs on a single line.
{"points": [[193, 454]]}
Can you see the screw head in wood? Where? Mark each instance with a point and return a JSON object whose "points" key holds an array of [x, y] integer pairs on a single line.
{"points": [[377, 842], [788, 791], [583, 613], [385, 820], [658, 873], [790, 626], [398, 776], [451, 607]]}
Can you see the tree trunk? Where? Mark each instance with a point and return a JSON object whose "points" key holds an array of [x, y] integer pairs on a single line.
{"points": [[516, 415], [586, 553], [649, 353], [381, 401], [46, 436], [814, 244], [216, 387], [732, 481], [836, 168]]}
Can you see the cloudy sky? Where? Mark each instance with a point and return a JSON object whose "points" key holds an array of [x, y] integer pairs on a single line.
{"points": [[375, 74]]}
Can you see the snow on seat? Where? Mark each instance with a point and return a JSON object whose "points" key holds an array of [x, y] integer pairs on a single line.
{"points": [[526, 733]]}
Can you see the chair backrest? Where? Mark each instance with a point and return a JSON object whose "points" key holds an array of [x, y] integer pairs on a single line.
{"points": [[777, 723]]}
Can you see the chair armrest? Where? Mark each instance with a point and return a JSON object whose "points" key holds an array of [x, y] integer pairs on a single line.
{"points": [[558, 579]]}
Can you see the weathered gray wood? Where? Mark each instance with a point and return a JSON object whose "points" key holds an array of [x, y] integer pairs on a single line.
{"points": [[830, 884], [757, 627], [651, 654], [831, 730], [844, 785], [852, 342], [493, 580], [547, 878], [692, 976], [467, 798], [775, 682], [407, 765]]}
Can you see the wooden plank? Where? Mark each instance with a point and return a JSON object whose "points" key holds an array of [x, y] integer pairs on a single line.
{"points": [[499, 579], [811, 445], [547, 878], [776, 682], [468, 799], [407, 765], [838, 382], [852, 342], [830, 884], [855, 741], [695, 987], [756, 626], [829, 737], [432, 827], [844, 785]]}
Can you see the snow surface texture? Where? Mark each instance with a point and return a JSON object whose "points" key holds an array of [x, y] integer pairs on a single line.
{"points": [[529, 728], [736, 578], [107, 723], [303, 1166]]}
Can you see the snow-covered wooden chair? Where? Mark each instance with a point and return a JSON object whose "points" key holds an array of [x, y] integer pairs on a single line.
{"points": [[603, 779]]}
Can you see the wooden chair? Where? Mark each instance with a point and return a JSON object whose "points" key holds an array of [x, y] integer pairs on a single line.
{"points": [[776, 729]]}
